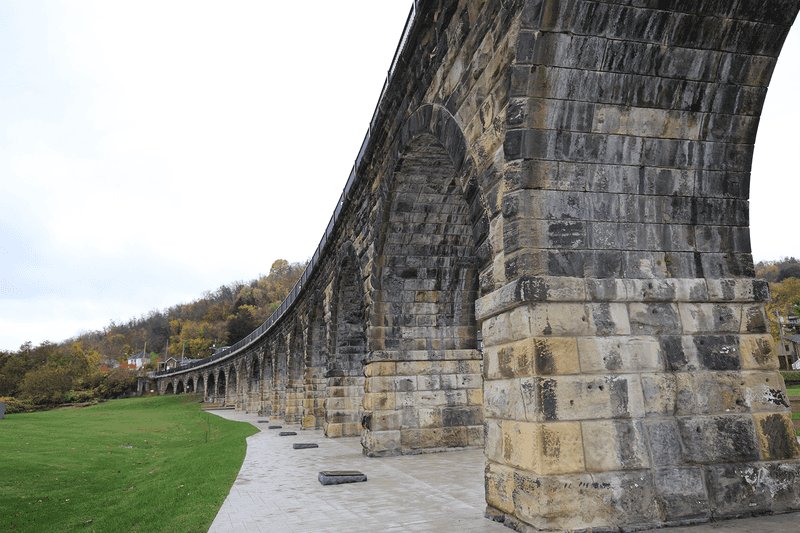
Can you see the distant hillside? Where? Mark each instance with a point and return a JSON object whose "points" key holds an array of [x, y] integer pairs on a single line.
{"points": [[219, 318]]}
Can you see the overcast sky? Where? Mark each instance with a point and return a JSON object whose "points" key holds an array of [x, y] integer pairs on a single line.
{"points": [[150, 151]]}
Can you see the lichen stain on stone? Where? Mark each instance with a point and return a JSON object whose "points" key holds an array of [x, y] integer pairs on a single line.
{"points": [[781, 442], [551, 444], [759, 477], [545, 361], [548, 399], [763, 394]]}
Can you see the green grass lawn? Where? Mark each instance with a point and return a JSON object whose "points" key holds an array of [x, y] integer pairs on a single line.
{"points": [[149, 464], [793, 391]]}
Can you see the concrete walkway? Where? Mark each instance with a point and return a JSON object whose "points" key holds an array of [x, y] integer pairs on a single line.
{"points": [[277, 491]]}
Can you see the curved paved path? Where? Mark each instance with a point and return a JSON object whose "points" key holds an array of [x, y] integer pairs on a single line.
{"points": [[277, 491]]}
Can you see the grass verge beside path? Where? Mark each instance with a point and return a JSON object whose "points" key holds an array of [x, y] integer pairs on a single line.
{"points": [[148, 464]]}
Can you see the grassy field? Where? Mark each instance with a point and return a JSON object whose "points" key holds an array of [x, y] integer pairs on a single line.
{"points": [[150, 464]]}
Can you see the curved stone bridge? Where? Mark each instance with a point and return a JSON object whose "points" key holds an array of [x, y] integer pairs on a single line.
{"points": [[570, 179]]}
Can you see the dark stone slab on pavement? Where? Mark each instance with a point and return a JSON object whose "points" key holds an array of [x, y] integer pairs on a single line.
{"points": [[286, 433], [304, 446], [337, 477], [262, 421], [274, 427]]}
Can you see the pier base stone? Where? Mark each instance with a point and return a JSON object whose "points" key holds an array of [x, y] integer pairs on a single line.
{"points": [[633, 404]]}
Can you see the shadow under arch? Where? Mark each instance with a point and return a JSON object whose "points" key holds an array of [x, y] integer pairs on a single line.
{"points": [[345, 366], [423, 332]]}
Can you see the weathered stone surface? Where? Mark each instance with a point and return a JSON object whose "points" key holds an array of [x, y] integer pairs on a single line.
{"points": [[304, 446], [571, 180]]}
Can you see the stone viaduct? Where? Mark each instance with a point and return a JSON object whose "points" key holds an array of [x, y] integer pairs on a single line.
{"points": [[568, 178]]}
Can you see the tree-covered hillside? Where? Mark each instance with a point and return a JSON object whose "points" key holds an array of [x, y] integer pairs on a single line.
{"points": [[48, 372]]}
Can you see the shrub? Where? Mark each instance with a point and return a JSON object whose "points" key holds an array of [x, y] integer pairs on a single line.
{"points": [[118, 382], [46, 385], [18, 405]]}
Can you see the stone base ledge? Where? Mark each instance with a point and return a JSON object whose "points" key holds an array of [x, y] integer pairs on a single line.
{"points": [[637, 500], [566, 289]]}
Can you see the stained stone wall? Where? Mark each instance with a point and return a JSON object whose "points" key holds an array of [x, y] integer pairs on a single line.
{"points": [[570, 178], [630, 377]]}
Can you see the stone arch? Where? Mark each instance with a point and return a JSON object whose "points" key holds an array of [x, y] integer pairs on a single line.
{"points": [[233, 379], [254, 373], [425, 284], [190, 385], [222, 386], [279, 376], [169, 389], [316, 356], [267, 378], [211, 388], [345, 365], [179, 388], [294, 375]]}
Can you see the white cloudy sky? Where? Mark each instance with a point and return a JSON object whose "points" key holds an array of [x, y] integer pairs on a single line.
{"points": [[152, 150]]}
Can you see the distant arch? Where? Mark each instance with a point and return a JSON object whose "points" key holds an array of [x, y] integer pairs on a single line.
{"points": [[345, 366], [221, 385], [254, 374], [232, 379], [211, 389]]}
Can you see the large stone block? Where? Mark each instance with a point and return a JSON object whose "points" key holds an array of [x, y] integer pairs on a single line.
{"points": [[615, 445], [600, 502], [504, 399], [776, 436], [719, 439], [543, 448], [682, 493], [619, 354], [738, 490], [590, 397]]}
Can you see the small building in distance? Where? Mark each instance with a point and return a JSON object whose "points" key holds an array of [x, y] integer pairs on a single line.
{"points": [[139, 360]]}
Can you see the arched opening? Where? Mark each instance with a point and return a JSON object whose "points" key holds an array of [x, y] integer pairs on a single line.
{"points": [[200, 385], [190, 385], [279, 380], [169, 390], [267, 376], [211, 390], [772, 193], [179, 388], [773, 183], [294, 381], [221, 386], [425, 318], [315, 382], [255, 375], [345, 368], [232, 381]]}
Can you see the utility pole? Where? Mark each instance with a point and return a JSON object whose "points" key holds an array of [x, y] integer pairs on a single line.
{"points": [[783, 342]]}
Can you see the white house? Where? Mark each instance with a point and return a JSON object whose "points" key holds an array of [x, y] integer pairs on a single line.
{"points": [[140, 359]]}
